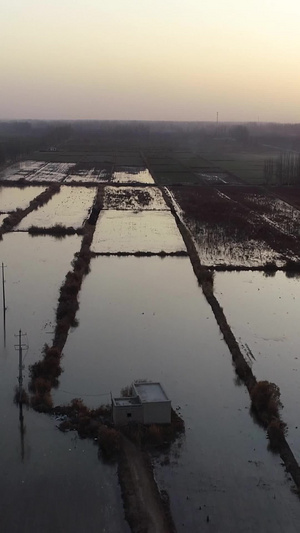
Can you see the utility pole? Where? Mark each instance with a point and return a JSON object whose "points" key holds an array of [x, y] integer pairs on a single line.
{"points": [[3, 288], [4, 303], [20, 347]]}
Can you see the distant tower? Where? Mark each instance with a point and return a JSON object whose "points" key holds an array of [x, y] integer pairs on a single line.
{"points": [[217, 117]]}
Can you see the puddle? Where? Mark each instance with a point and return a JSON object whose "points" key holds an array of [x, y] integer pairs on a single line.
{"points": [[142, 231], [70, 207]]}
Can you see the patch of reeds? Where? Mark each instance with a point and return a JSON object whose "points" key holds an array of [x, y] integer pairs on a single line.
{"points": [[14, 218], [265, 399], [162, 254], [109, 441], [58, 230]]}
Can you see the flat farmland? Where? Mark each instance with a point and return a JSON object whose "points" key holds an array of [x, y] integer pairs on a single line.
{"points": [[131, 232], [127, 174], [224, 232], [247, 166], [12, 198], [21, 170], [70, 207], [134, 199]]}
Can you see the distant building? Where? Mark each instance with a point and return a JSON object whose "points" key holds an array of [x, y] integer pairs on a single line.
{"points": [[148, 405]]}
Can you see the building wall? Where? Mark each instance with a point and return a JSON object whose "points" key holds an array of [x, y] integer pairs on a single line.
{"points": [[120, 414], [157, 412]]}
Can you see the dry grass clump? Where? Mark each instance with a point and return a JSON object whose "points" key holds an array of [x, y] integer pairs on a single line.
{"points": [[58, 230], [44, 374], [275, 433], [265, 398], [42, 402], [127, 391], [109, 441]]}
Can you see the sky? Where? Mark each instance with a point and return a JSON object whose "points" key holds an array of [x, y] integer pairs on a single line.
{"points": [[150, 60]]}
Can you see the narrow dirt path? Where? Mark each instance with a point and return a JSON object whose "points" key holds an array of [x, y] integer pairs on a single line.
{"points": [[143, 505]]}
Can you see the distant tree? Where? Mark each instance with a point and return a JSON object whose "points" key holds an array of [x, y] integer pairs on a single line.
{"points": [[240, 133]]}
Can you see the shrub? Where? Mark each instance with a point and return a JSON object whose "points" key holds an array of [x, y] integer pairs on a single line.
{"points": [[275, 432], [109, 441], [265, 397]]}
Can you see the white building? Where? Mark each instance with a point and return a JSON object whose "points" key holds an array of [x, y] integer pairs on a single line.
{"points": [[148, 405]]}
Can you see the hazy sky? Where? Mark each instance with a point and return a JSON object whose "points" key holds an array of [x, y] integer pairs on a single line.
{"points": [[150, 59]]}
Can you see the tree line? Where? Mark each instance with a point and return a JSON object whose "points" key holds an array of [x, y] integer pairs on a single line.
{"points": [[282, 170]]}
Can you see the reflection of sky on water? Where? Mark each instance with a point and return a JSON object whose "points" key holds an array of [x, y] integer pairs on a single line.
{"points": [[21, 170], [147, 318], [143, 231], [69, 207], [12, 198], [264, 314], [59, 473], [132, 174]]}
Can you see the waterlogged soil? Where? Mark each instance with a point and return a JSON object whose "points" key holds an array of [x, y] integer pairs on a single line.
{"points": [[70, 207], [51, 172], [142, 231], [124, 174], [229, 233], [147, 318], [21, 170], [12, 198], [263, 312], [134, 199], [51, 477]]}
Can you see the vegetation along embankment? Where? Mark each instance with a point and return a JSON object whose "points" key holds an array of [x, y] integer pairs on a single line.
{"points": [[265, 396], [44, 373], [14, 218]]}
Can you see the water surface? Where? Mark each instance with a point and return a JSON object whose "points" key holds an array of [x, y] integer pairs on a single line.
{"points": [[147, 318], [264, 314]]}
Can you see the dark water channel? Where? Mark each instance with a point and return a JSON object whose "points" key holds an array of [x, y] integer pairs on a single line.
{"points": [[147, 318], [49, 482]]}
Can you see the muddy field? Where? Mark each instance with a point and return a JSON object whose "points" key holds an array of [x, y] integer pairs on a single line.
{"points": [[241, 227]]}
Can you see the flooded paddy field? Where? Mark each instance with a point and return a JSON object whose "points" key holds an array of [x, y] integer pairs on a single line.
{"points": [[36, 171], [147, 318], [87, 172], [52, 476], [12, 198], [142, 231], [35, 268], [21, 170], [263, 312], [70, 207], [127, 174]]}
